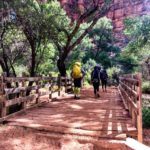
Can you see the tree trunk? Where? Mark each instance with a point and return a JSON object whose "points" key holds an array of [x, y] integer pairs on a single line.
{"points": [[61, 67], [33, 57]]}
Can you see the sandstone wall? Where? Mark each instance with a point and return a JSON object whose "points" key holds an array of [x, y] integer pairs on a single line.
{"points": [[122, 9]]}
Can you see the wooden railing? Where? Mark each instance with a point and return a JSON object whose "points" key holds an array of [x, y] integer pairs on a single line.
{"points": [[21, 93], [130, 90]]}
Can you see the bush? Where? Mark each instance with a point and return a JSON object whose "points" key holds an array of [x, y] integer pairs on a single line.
{"points": [[88, 67], [146, 117], [112, 70], [146, 87], [113, 75]]}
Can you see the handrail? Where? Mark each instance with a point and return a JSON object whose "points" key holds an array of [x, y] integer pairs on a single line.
{"points": [[131, 93], [16, 94]]}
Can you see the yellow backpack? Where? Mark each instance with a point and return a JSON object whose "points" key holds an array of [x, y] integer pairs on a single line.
{"points": [[76, 71]]}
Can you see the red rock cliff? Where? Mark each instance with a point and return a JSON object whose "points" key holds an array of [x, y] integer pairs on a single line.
{"points": [[120, 10]]}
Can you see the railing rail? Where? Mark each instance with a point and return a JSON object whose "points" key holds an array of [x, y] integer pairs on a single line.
{"points": [[131, 93], [25, 92]]}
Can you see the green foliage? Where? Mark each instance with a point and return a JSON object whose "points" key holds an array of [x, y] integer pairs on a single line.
{"points": [[128, 62], [102, 50], [37, 26], [138, 32], [48, 63], [21, 70], [88, 67], [146, 117], [79, 53], [43, 32], [113, 70], [146, 87]]}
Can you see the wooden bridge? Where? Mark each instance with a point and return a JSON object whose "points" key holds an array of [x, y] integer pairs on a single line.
{"points": [[115, 116]]}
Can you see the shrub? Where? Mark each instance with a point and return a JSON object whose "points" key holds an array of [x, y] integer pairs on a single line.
{"points": [[88, 67], [146, 87], [112, 70], [146, 117]]}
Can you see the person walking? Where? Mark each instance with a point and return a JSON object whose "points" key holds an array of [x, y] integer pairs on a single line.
{"points": [[104, 77], [77, 74], [95, 79]]}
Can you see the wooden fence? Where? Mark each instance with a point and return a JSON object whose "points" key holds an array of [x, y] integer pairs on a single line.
{"points": [[130, 90], [20, 93]]}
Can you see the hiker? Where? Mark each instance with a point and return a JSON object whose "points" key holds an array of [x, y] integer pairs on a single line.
{"points": [[95, 79], [104, 77], [77, 74]]}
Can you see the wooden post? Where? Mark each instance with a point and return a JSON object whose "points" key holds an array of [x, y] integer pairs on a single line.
{"points": [[3, 97], [23, 93], [71, 83], [59, 85], [66, 84], [50, 87], [37, 92], [139, 105]]}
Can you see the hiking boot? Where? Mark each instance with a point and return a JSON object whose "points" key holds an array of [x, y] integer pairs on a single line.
{"points": [[75, 97], [98, 95], [78, 97]]}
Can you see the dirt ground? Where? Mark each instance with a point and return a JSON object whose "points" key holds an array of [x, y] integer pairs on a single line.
{"points": [[21, 138], [18, 138]]}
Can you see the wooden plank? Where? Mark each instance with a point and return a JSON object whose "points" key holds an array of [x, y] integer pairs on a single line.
{"points": [[19, 89], [129, 100], [67, 130], [20, 79], [124, 102], [137, 118], [139, 103], [102, 142], [133, 81], [19, 112], [133, 93], [19, 100]]}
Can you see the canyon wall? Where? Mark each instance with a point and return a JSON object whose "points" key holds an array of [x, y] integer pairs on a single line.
{"points": [[120, 10]]}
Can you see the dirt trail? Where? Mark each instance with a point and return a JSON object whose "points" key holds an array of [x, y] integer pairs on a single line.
{"points": [[22, 138]]}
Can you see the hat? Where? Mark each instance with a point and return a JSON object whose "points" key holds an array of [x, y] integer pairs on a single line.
{"points": [[78, 63]]}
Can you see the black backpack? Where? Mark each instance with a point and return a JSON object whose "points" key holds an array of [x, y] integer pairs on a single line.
{"points": [[95, 77], [103, 75]]}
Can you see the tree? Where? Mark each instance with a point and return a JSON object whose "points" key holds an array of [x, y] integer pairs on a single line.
{"points": [[90, 14], [35, 20], [47, 22], [103, 50], [11, 41], [137, 49], [12, 49]]}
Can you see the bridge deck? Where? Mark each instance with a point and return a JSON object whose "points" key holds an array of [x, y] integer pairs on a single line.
{"points": [[102, 118]]}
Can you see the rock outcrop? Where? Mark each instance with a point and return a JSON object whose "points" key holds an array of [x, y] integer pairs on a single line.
{"points": [[123, 9], [120, 10]]}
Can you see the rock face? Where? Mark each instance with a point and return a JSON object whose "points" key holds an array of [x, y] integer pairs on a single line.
{"points": [[120, 10]]}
